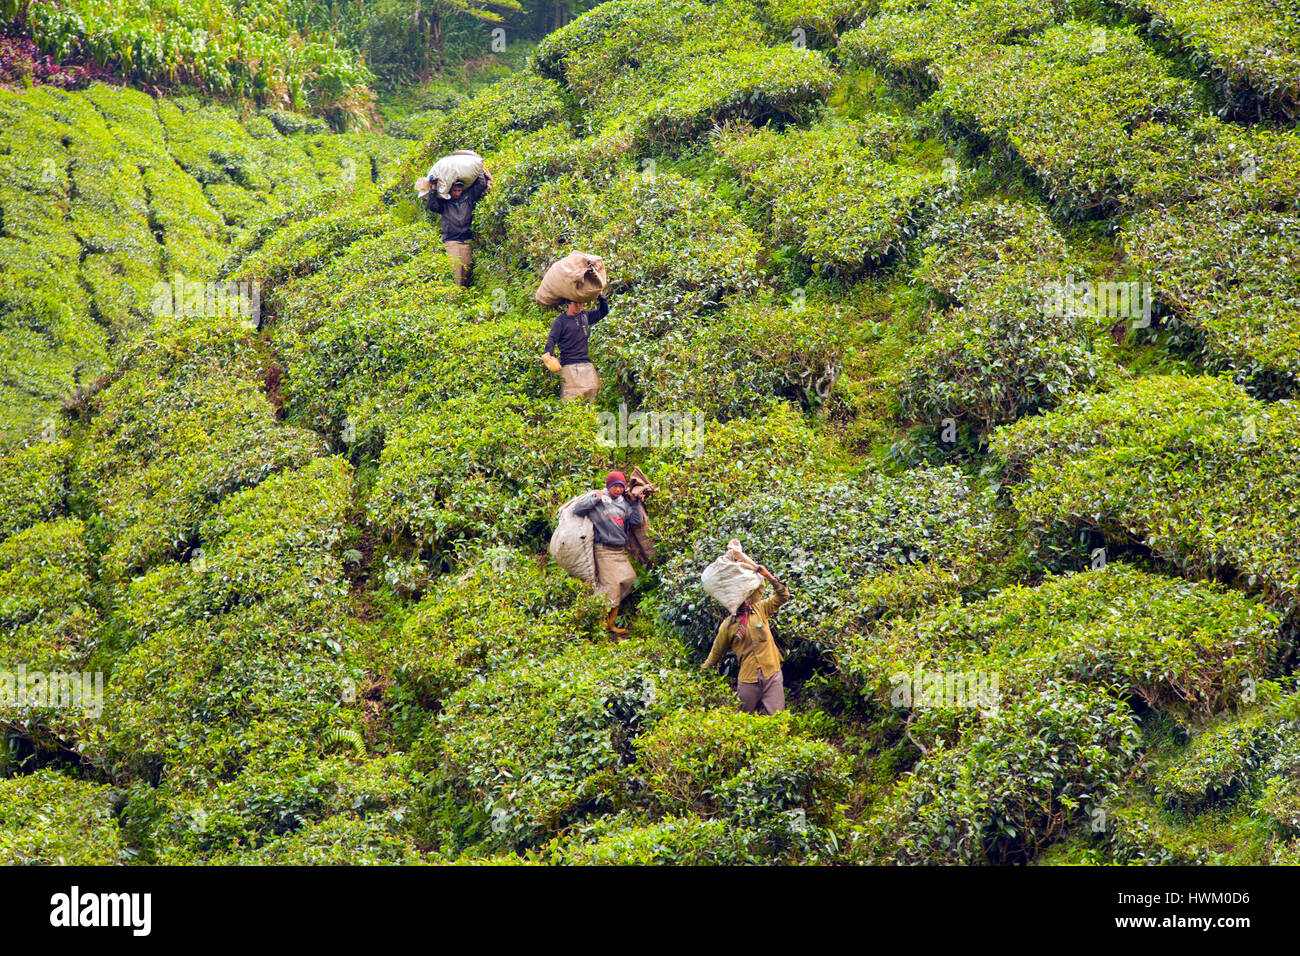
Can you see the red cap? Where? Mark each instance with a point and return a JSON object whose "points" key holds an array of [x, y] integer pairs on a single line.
{"points": [[615, 478]]}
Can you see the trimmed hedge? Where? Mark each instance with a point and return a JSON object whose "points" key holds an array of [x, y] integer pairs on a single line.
{"points": [[533, 749], [913, 41], [48, 617], [176, 433], [33, 484], [1250, 51], [1015, 783], [1099, 119], [971, 247], [1192, 468], [847, 194], [670, 247], [1223, 264], [750, 770], [502, 608], [652, 75], [1002, 356], [50, 819], [619, 840], [492, 466], [1182, 647]]}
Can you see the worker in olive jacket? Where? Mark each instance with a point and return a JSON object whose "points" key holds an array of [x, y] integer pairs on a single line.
{"points": [[748, 632]]}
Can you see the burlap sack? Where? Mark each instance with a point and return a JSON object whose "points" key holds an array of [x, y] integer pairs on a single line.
{"points": [[573, 543], [730, 579], [579, 277]]}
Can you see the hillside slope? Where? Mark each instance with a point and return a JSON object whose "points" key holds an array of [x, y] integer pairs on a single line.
{"points": [[896, 265]]}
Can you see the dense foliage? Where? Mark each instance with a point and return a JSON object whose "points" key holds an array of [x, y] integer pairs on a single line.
{"points": [[1043, 555]]}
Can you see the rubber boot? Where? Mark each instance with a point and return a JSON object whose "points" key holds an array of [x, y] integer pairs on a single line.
{"points": [[611, 626]]}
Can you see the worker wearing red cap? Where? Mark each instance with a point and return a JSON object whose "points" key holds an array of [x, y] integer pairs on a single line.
{"points": [[612, 512]]}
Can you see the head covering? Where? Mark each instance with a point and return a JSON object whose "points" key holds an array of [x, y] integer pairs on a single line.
{"points": [[615, 478]]}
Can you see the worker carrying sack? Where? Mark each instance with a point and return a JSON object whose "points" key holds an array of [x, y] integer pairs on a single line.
{"points": [[578, 277], [732, 577], [573, 545], [463, 166]]}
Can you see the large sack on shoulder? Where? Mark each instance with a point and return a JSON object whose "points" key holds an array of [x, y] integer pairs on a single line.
{"points": [[579, 277], [573, 543], [731, 578], [463, 166]]}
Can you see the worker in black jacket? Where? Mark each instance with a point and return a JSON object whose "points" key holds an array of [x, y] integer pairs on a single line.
{"points": [[569, 333], [457, 225]]}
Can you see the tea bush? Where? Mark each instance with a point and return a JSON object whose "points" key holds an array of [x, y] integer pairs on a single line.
{"points": [[189, 701], [1228, 275], [340, 840], [1002, 356], [103, 192], [1250, 52], [503, 608], [512, 760], [848, 195], [494, 466], [1192, 468], [525, 162], [165, 446], [277, 807], [33, 484], [1015, 782], [1182, 647], [700, 483], [969, 248], [824, 19], [1218, 762], [1279, 797], [748, 769], [1138, 834], [378, 334], [46, 613], [914, 42], [737, 361], [617, 840], [250, 632], [670, 247], [50, 819], [653, 75], [1100, 120], [522, 103]]}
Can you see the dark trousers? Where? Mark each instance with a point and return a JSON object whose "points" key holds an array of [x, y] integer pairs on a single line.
{"points": [[766, 695]]}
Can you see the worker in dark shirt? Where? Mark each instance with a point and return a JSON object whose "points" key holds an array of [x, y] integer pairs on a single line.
{"points": [[457, 224], [569, 333]]}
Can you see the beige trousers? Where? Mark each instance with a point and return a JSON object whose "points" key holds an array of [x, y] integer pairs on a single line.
{"points": [[579, 381], [614, 572], [462, 258]]}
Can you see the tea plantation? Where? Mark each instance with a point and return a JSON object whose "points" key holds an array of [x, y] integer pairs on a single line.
{"points": [[989, 312]]}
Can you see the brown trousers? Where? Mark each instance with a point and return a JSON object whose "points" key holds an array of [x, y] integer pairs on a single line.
{"points": [[579, 381], [767, 693], [614, 572], [462, 260]]}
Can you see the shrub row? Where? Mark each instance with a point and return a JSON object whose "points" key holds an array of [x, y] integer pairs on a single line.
{"points": [[1191, 468]]}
